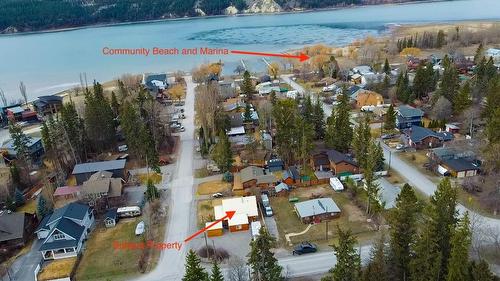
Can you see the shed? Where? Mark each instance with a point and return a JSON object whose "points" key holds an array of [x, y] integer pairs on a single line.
{"points": [[282, 187], [111, 218], [216, 230]]}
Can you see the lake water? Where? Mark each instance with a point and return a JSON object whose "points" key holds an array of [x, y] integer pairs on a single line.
{"points": [[50, 62]]}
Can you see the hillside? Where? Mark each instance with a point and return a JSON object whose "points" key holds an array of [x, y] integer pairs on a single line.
{"points": [[28, 15]]}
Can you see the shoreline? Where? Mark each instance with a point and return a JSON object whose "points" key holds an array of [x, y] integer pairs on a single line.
{"points": [[112, 24]]}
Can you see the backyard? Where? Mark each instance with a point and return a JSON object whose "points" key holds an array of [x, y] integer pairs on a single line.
{"points": [[351, 217], [100, 261]]}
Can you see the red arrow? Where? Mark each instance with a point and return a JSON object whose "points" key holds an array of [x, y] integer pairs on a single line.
{"points": [[301, 57], [229, 215]]}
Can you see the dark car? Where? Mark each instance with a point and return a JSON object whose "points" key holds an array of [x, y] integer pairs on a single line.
{"points": [[304, 248]]}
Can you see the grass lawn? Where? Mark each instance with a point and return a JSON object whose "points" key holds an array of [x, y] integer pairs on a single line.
{"points": [[206, 210], [201, 173], [57, 269], [154, 177], [288, 222], [418, 159], [28, 207], [211, 187], [101, 262]]}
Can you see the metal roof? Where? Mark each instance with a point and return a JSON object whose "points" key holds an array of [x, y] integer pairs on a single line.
{"points": [[11, 226], [99, 166], [316, 207]]}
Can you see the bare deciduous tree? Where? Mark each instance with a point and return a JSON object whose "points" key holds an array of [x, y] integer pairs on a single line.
{"points": [[237, 270], [22, 89]]}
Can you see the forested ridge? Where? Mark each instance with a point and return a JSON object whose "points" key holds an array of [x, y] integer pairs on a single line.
{"points": [[35, 15]]}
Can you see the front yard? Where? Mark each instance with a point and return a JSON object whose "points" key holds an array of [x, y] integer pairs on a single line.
{"points": [[211, 187], [100, 261], [288, 222], [206, 211]]}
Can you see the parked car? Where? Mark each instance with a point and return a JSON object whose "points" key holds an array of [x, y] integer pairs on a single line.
{"points": [[139, 229], [400, 147], [217, 195], [269, 211], [304, 248], [182, 116], [387, 136], [180, 129], [122, 148]]}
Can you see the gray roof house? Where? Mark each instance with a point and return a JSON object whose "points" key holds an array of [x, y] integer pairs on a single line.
{"points": [[64, 231], [84, 171], [101, 185], [316, 210], [15, 229]]}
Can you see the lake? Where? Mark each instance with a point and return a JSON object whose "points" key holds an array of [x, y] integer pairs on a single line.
{"points": [[51, 62]]}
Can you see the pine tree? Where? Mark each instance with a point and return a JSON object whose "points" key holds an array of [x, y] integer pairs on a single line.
{"points": [[441, 39], [348, 267], [426, 261], [194, 270], [377, 269], [443, 215], [307, 110], [403, 90], [262, 261], [216, 273], [379, 158], [462, 99], [372, 188], [449, 82], [114, 104], [74, 129], [222, 154], [19, 198], [390, 119], [99, 121], [318, 120], [152, 193], [247, 115], [492, 128], [481, 271], [272, 97], [15, 175], [459, 254], [339, 132], [492, 98], [289, 133], [361, 141], [247, 87], [403, 231], [43, 208], [421, 82], [479, 54], [387, 67]]}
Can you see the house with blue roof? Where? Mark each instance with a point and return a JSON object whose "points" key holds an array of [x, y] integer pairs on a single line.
{"points": [[408, 116], [422, 138], [64, 232], [35, 149]]}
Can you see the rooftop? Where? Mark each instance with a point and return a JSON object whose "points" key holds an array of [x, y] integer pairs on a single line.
{"points": [[408, 111], [11, 226], [99, 166], [316, 207]]}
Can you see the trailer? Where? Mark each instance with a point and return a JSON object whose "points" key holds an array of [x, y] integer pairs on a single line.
{"points": [[336, 184]]}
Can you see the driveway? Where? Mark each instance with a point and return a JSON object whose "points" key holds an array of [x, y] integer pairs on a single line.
{"points": [[182, 210], [23, 268]]}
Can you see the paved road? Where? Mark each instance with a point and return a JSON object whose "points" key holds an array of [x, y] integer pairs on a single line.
{"points": [[418, 180], [23, 268], [171, 263]]}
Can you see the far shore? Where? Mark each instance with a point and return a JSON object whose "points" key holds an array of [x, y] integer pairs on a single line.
{"points": [[111, 24]]}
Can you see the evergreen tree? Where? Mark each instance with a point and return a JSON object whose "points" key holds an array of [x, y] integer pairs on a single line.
{"points": [[377, 269], [152, 193], [492, 98], [114, 104], [387, 67], [264, 265], [492, 127], [289, 133], [379, 158], [339, 132], [216, 273], [308, 110], [222, 154], [19, 198], [20, 142], [422, 82], [441, 39], [361, 141], [43, 208], [459, 254], [15, 175], [247, 115], [426, 261], [318, 120], [194, 270], [481, 271], [403, 90], [99, 121], [272, 97], [148, 146], [390, 119], [348, 267], [370, 165], [74, 129], [479, 54], [443, 215], [403, 222], [462, 99], [449, 82], [247, 87]]}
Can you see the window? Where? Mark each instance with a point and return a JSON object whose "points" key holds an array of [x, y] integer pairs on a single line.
{"points": [[59, 236]]}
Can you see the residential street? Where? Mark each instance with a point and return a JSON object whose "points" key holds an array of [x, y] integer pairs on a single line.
{"points": [[418, 180], [181, 214]]}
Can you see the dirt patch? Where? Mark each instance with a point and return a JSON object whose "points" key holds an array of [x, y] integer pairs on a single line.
{"points": [[211, 187]]}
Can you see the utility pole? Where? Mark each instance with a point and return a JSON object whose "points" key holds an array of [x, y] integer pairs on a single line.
{"points": [[326, 230], [206, 244]]}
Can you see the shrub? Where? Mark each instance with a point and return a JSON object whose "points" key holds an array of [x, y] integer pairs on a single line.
{"points": [[218, 254]]}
